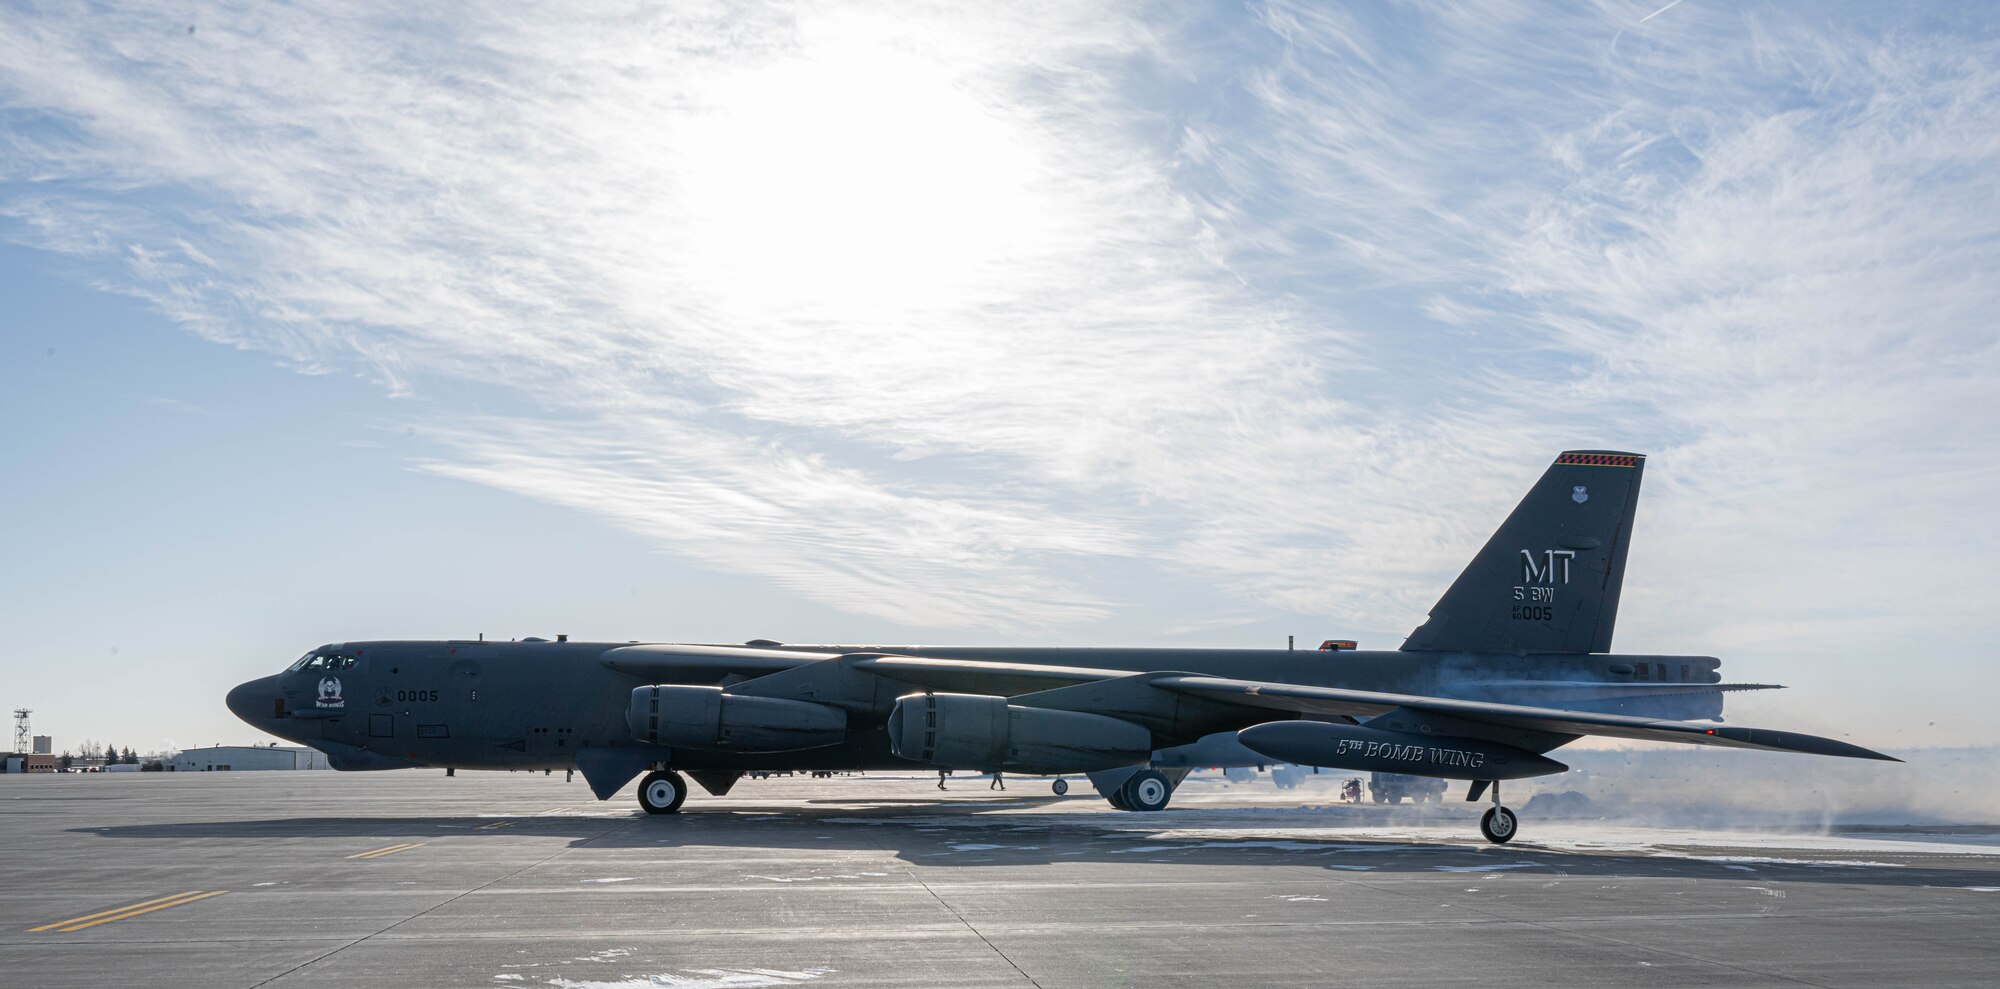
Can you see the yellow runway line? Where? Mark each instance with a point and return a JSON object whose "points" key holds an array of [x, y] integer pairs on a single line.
{"points": [[500, 824], [106, 913], [135, 913], [120, 913], [391, 850]]}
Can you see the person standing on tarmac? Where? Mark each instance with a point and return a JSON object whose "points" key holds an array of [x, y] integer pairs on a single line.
{"points": [[998, 783], [942, 773]]}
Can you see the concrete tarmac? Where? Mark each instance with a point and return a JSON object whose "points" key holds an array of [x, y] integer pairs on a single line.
{"points": [[412, 879]]}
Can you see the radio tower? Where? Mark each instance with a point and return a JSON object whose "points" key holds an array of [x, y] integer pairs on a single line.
{"points": [[23, 739]]}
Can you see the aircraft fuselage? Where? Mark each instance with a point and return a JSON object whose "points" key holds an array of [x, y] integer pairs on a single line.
{"points": [[534, 705]]}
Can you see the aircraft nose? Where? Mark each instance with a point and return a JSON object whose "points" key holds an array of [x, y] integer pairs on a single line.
{"points": [[247, 700]]}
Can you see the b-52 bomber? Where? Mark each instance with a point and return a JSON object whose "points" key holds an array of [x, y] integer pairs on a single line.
{"points": [[1513, 663]]}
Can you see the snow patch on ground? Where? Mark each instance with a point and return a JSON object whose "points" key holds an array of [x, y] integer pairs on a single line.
{"points": [[810, 879], [1350, 831], [1286, 846], [1768, 860], [705, 978], [1661, 841], [1317, 839]]}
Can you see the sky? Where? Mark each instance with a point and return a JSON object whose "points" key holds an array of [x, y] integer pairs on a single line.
{"points": [[1138, 324]]}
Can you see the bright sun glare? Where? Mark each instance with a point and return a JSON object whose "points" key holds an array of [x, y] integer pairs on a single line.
{"points": [[853, 180]]}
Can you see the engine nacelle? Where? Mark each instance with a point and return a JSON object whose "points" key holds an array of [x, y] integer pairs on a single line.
{"points": [[976, 731], [694, 717]]}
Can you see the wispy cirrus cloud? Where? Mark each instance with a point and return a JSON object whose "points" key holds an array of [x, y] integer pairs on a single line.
{"points": [[1754, 244], [928, 314]]}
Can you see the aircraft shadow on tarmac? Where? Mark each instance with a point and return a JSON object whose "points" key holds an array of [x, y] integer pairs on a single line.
{"points": [[954, 837]]}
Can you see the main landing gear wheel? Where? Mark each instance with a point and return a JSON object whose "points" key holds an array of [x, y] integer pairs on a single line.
{"points": [[1498, 825], [1148, 789], [662, 792], [1060, 786]]}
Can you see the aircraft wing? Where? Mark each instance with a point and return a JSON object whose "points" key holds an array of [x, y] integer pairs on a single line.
{"points": [[1599, 690], [953, 674], [979, 675], [1366, 703], [661, 661]]}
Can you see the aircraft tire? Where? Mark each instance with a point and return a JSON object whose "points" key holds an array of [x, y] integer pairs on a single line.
{"points": [[1499, 825], [1117, 799], [1147, 790], [662, 792], [1060, 786]]}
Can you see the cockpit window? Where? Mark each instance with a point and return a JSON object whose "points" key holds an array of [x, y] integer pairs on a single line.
{"points": [[328, 661]]}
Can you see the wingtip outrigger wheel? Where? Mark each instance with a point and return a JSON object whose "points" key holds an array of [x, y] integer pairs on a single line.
{"points": [[1498, 824], [662, 792]]}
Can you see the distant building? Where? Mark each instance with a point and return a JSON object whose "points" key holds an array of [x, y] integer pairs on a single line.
{"points": [[28, 762], [44, 745], [239, 758]]}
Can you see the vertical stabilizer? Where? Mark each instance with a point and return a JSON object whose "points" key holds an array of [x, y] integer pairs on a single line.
{"points": [[1548, 580]]}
